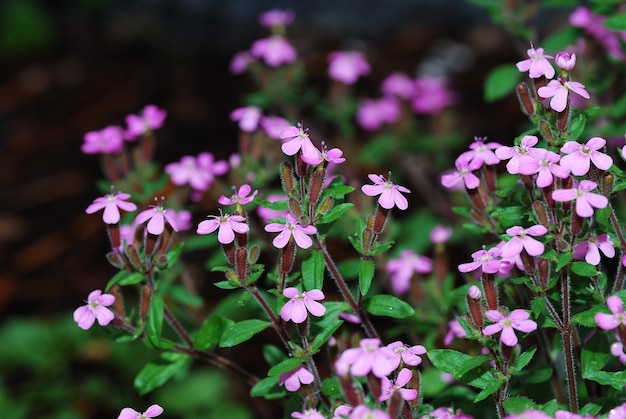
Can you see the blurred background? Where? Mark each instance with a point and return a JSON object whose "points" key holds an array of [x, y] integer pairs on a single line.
{"points": [[71, 66]]}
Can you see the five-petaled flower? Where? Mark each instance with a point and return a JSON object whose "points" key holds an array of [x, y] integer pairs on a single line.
{"points": [[521, 240], [152, 412], [296, 138], [294, 378], [240, 197], [517, 154], [302, 303], [290, 229], [579, 156], [388, 387], [585, 201], [616, 318], [402, 269], [95, 309], [157, 216], [464, 169], [274, 50], [409, 355], [559, 92], [518, 320], [590, 248], [487, 260], [151, 118], [369, 356], [112, 204], [390, 193], [227, 225], [537, 64]]}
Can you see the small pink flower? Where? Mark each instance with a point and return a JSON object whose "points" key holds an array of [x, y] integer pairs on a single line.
{"points": [[388, 388], [308, 414], [517, 154], [295, 138], [537, 64], [365, 412], [197, 172], [409, 355], [248, 118], [398, 84], [156, 217], [614, 320], [403, 268], [545, 164], [151, 118], [372, 113], [367, 358], [590, 248], [227, 225], [107, 140], [521, 240], [342, 411], [347, 66], [447, 413], [464, 169], [565, 61], [276, 18], [488, 261], [431, 95], [239, 197], [293, 379], [585, 201], [313, 156], [440, 234], [240, 62], [579, 156], [559, 92], [95, 309], [152, 412], [482, 153], [273, 126], [274, 50], [300, 304], [617, 350], [455, 330], [390, 193], [518, 320], [290, 229], [112, 204], [182, 218]]}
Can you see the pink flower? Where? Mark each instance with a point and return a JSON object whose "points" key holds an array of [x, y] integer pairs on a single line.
{"points": [[364, 412], [239, 197], [347, 66], [274, 50], [529, 414], [198, 172], [157, 216], [112, 204], [440, 234], [402, 269], [617, 350], [447, 413], [313, 156], [585, 201], [559, 92], [614, 320], [565, 61], [579, 156], [227, 225], [107, 140], [583, 17], [463, 173], [537, 64], [300, 304], [390, 193], [398, 84], [290, 229], [240, 62], [182, 219], [488, 261], [96, 308], [545, 164], [518, 320], [372, 114], [267, 214], [273, 126], [151, 118], [152, 412], [248, 118], [590, 248], [293, 379], [342, 411], [308, 414], [431, 95], [295, 139], [367, 358], [522, 240], [388, 388], [481, 152], [409, 355], [455, 331], [276, 18], [517, 154]]}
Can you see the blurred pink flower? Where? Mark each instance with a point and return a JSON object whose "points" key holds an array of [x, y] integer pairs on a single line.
{"points": [[152, 412], [431, 95], [440, 234], [347, 66], [367, 358], [276, 18], [617, 316], [274, 50], [293, 379], [372, 113], [240, 62], [403, 268], [398, 84], [151, 118], [273, 126], [107, 140], [241, 196], [248, 118]]}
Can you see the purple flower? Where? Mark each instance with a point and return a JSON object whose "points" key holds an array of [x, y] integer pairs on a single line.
{"points": [[390, 193], [590, 248], [447, 413], [398, 84], [347, 66], [463, 173], [440, 234], [585, 201], [151, 118], [518, 320], [565, 61], [308, 414], [481, 152], [107, 140], [198, 172], [521, 240], [152, 412], [239, 197], [372, 114], [517, 154], [112, 204], [431, 95], [294, 378], [267, 214], [409, 355], [537, 64], [274, 50], [614, 320], [248, 118], [157, 216], [276, 18], [388, 388], [313, 156], [240, 62], [454, 331], [342, 411], [402, 269], [583, 17], [290, 229], [579, 156], [559, 92], [545, 164], [300, 304], [95, 309], [488, 261], [365, 412], [368, 357], [273, 126], [227, 225], [295, 138]]}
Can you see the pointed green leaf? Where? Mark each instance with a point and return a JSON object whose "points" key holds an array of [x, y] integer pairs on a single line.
{"points": [[211, 332], [240, 332], [389, 306], [313, 271], [287, 365], [501, 82], [154, 322], [584, 269], [156, 373], [366, 274]]}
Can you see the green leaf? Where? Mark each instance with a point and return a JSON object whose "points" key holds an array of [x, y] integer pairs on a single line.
{"points": [[586, 318], [174, 254], [287, 365], [366, 274], [492, 386], [514, 405], [242, 331], [337, 192], [616, 23], [276, 206], [584, 269], [264, 386], [331, 388], [134, 278], [154, 322], [336, 212], [563, 260], [613, 379], [211, 331], [381, 248], [324, 335], [537, 306], [578, 126], [595, 354], [501, 82], [156, 373], [523, 359], [389, 306], [313, 271], [447, 360]]}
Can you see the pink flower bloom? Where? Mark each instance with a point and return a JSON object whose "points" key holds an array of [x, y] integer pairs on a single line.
{"points": [[590, 248], [240, 197], [240, 62], [585, 201], [273, 126], [227, 225], [522, 240], [431, 95], [565, 61], [398, 84], [614, 320], [517, 154], [447, 413], [182, 218], [300, 304], [537, 64], [367, 358], [579, 156], [372, 114], [313, 156], [157, 216], [388, 388], [440, 234], [274, 50], [112, 204], [488, 261], [308, 414], [290, 229], [276, 18], [518, 320], [583, 17], [267, 214], [545, 164], [211, 168], [364, 412], [390, 193], [198, 172], [347, 66], [293, 379], [95, 309], [409, 355], [248, 118], [463, 173], [481, 152], [296, 139], [151, 118], [152, 412], [559, 92], [342, 411], [529, 414], [455, 331], [107, 140], [617, 350], [402, 269]]}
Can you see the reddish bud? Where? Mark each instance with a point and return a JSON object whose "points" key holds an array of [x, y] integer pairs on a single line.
{"points": [[491, 290], [526, 102], [316, 183]]}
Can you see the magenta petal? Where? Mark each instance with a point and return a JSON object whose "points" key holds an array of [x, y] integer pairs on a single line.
{"points": [[208, 226], [615, 304], [286, 310], [564, 194], [604, 321], [298, 311], [104, 315], [601, 160], [106, 299], [508, 337], [225, 234], [154, 410], [372, 190], [302, 240], [315, 294], [282, 239], [315, 308], [592, 255], [128, 413], [400, 200], [96, 205], [494, 315], [84, 317], [291, 147], [492, 329]]}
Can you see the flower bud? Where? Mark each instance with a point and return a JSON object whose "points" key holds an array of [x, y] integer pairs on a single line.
{"points": [[316, 183], [133, 256], [491, 290], [146, 296], [113, 231], [473, 304], [546, 131], [541, 212], [161, 261], [607, 183], [116, 259], [380, 218], [254, 253], [295, 208], [526, 102], [565, 61], [325, 206], [288, 179], [543, 273], [288, 256], [241, 259]]}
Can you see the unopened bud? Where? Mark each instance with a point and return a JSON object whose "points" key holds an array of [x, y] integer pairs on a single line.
{"points": [[295, 208], [577, 224], [546, 131], [301, 166], [288, 256], [288, 179], [528, 261], [541, 212], [491, 290], [241, 262], [146, 296], [380, 219], [543, 273], [253, 254], [476, 195], [607, 183], [473, 304], [116, 259], [506, 352], [133, 256], [325, 206], [563, 118], [539, 82], [231, 276], [118, 305], [113, 231], [161, 261], [229, 251], [526, 102], [316, 183]]}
